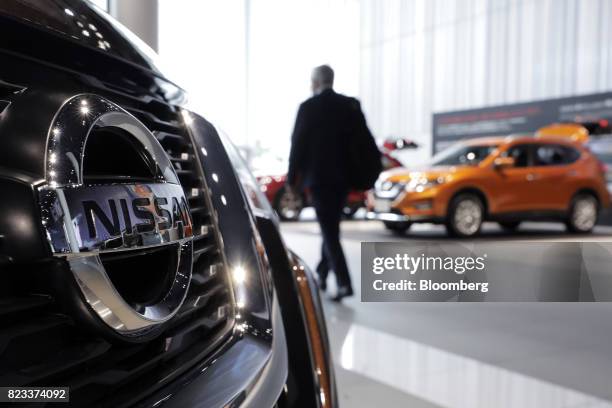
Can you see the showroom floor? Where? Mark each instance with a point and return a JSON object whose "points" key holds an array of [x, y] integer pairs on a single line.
{"points": [[460, 354]]}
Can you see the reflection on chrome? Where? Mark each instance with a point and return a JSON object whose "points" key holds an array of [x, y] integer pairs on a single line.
{"points": [[75, 230], [96, 110], [87, 29], [239, 274], [448, 379], [187, 117]]}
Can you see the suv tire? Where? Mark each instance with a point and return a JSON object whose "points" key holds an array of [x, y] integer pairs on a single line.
{"points": [[465, 216], [582, 214], [288, 204], [349, 211], [397, 227]]}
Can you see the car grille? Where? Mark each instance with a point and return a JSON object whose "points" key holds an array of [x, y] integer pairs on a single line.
{"points": [[42, 345], [207, 255]]}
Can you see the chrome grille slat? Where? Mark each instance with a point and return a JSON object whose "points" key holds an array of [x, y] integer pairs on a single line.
{"points": [[211, 248], [175, 159], [163, 135], [182, 172], [200, 301], [198, 209], [205, 232]]}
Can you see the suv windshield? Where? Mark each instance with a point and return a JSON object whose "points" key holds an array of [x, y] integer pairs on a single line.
{"points": [[461, 154]]}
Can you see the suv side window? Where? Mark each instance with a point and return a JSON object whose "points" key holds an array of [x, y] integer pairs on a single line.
{"points": [[555, 155], [520, 154]]}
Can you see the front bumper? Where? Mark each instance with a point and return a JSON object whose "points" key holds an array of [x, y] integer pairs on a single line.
{"points": [[401, 206], [249, 371], [394, 217], [391, 217]]}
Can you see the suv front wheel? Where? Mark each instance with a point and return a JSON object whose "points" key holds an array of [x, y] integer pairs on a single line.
{"points": [[583, 213], [288, 204], [465, 215], [397, 227]]}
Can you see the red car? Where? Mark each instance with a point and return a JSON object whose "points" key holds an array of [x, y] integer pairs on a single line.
{"points": [[289, 205]]}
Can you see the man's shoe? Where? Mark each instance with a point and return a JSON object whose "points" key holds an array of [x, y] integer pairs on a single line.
{"points": [[343, 291], [322, 285]]}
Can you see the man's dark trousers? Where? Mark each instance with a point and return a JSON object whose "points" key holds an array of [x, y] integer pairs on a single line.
{"points": [[329, 201]]}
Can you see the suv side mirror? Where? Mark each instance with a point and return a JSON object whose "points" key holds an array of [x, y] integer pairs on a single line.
{"points": [[403, 144], [503, 163], [399, 144]]}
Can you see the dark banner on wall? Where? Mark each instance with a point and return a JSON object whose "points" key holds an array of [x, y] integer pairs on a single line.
{"points": [[449, 127]]}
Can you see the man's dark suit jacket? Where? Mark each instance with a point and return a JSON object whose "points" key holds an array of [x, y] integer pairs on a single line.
{"points": [[319, 146]]}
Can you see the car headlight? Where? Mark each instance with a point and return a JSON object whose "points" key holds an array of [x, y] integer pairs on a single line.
{"points": [[419, 184]]}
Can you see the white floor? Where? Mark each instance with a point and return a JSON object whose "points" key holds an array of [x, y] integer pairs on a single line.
{"points": [[458, 354]]}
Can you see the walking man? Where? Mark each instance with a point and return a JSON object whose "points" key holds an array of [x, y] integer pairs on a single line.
{"points": [[319, 161]]}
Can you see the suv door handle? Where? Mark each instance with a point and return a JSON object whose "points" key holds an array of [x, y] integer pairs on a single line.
{"points": [[531, 177]]}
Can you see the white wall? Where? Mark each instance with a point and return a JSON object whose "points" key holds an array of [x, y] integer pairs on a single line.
{"points": [[202, 45], [254, 95], [246, 63], [287, 39], [425, 56], [140, 16]]}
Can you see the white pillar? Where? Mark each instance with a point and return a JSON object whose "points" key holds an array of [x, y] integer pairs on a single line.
{"points": [[140, 16]]}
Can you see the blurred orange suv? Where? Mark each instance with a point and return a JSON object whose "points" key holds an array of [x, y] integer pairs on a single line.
{"points": [[504, 179]]}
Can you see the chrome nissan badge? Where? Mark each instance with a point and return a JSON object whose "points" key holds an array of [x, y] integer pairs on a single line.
{"points": [[88, 220]]}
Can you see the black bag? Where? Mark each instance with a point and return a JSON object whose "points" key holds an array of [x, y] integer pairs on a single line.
{"points": [[364, 158]]}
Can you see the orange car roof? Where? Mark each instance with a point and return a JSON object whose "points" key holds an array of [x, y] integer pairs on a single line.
{"points": [[571, 131], [486, 141], [497, 140], [521, 137]]}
